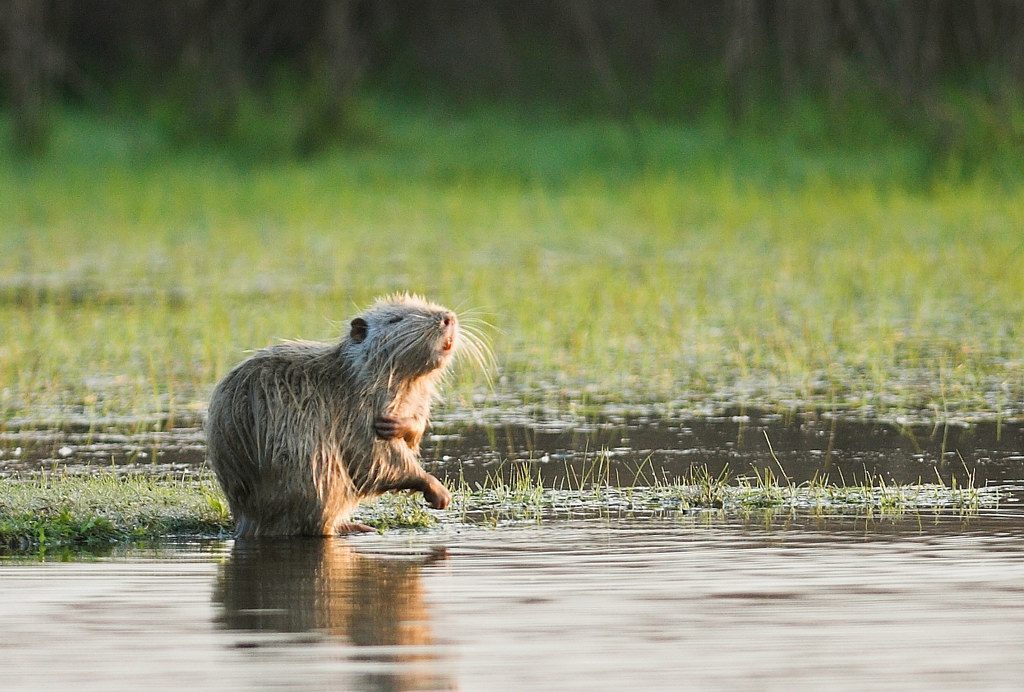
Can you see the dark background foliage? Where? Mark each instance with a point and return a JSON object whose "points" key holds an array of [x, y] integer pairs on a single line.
{"points": [[205, 62]]}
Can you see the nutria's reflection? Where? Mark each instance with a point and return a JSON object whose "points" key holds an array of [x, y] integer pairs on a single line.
{"points": [[323, 585]]}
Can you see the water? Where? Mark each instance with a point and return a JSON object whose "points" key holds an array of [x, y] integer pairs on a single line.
{"points": [[699, 601], [641, 450], [910, 603]]}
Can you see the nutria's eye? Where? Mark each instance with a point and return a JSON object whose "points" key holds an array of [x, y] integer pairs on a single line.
{"points": [[395, 320], [359, 329]]}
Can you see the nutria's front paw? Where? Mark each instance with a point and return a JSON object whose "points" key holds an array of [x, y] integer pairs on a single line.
{"points": [[436, 495], [388, 427]]}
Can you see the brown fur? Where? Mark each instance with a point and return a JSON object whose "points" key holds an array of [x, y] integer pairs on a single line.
{"points": [[301, 432]]}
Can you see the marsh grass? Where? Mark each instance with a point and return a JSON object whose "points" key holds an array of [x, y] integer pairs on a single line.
{"points": [[718, 273], [57, 512], [515, 493]]}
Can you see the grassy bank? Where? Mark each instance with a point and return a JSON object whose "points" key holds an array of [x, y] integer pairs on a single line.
{"points": [[61, 512], [691, 267]]}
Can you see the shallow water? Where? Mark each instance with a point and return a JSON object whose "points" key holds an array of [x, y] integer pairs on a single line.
{"points": [[705, 600], [630, 450], [702, 602]]}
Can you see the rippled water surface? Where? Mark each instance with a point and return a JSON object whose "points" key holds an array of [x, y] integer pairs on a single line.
{"points": [[700, 601], [640, 450], [919, 602]]}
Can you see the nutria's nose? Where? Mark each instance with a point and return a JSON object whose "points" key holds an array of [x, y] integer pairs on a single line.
{"points": [[448, 319]]}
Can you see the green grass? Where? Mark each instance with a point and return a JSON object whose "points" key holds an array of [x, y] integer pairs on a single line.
{"points": [[59, 512], [515, 493], [683, 267]]}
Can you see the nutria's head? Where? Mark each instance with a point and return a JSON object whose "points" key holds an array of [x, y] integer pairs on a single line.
{"points": [[403, 337]]}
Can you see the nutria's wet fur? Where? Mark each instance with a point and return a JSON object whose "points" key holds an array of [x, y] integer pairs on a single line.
{"points": [[301, 432]]}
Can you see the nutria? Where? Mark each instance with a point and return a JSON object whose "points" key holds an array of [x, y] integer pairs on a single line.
{"points": [[301, 432]]}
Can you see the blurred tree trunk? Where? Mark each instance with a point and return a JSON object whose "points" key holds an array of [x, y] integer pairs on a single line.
{"points": [[340, 62], [29, 65], [212, 35], [744, 52], [581, 14], [344, 59], [805, 36], [1013, 45], [869, 49]]}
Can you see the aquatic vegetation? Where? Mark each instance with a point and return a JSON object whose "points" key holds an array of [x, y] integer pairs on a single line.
{"points": [[397, 511], [59, 510], [133, 276], [83, 511], [517, 494]]}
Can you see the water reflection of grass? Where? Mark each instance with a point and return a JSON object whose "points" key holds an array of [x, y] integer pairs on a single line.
{"points": [[59, 512], [132, 277]]}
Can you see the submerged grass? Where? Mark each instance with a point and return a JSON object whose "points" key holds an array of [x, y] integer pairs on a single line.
{"points": [[517, 494], [132, 276], [59, 511]]}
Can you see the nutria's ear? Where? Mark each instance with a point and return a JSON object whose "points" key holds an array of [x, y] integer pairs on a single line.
{"points": [[359, 329]]}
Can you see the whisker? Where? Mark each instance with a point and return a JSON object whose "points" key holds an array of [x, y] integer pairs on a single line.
{"points": [[477, 323], [476, 351]]}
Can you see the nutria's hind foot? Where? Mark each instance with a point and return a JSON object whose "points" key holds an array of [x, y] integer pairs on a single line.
{"points": [[353, 527], [245, 527]]}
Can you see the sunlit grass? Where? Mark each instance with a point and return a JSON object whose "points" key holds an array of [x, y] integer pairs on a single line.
{"points": [[58, 511], [515, 492], [93, 512], [132, 278]]}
